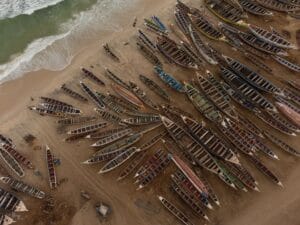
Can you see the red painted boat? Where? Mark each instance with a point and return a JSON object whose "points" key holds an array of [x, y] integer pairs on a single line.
{"points": [[189, 173], [292, 115]]}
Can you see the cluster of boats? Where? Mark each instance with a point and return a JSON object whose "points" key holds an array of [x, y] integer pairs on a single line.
{"points": [[15, 161], [125, 117]]}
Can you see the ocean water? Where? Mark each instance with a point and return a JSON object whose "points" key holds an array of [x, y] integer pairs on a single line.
{"points": [[44, 34]]}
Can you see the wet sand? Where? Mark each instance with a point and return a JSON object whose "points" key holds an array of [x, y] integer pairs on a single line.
{"points": [[273, 205]]}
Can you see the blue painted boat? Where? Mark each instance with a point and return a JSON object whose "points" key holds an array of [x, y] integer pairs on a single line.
{"points": [[169, 80]]}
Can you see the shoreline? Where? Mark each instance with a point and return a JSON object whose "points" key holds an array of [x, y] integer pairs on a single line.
{"points": [[273, 205]]}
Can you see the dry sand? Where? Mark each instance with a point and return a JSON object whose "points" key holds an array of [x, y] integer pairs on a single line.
{"points": [[272, 206]]}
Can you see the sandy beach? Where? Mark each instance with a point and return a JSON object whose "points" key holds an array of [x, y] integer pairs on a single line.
{"points": [[273, 205]]}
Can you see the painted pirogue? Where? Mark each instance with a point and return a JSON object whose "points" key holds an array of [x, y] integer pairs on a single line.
{"points": [[10, 203], [20, 186], [172, 52], [51, 168]]}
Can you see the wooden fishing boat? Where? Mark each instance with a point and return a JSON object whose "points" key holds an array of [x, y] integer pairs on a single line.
{"points": [[286, 63], [61, 109], [119, 160], [99, 103], [202, 104], [292, 115], [141, 155], [253, 41], [20, 186], [243, 175], [262, 168], [142, 95], [185, 142], [239, 98], [189, 189], [270, 37], [185, 46], [291, 95], [73, 94], [159, 23], [112, 105], [175, 211], [126, 94], [110, 53], [76, 120], [53, 101], [10, 202], [202, 24], [142, 37], [294, 84], [51, 168], [183, 7], [169, 80], [88, 128], [195, 206], [5, 220], [234, 180], [182, 20], [291, 2], [252, 50], [288, 103], [252, 77], [142, 120], [108, 116], [154, 87], [18, 156], [283, 145], [123, 102], [104, 157], [152, 26], [151, 161], [6, 140], [149, 55], [210, 140], [238, 137], [276, 122], [121, 144], [231, 34], [264, 149], [259, 64], [255, 8], [227, 12], [202, 48], [246, 90], [106, 133], [155, 169], [285, 122], [173, 53], [277, 5], [91, 76], [250, 126], [189, 174], [11, 162], [216, 95], [211, 193], [112, 76], [46, 112], [114, 137]]}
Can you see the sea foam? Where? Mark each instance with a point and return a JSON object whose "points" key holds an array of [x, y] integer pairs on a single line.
{"points": [[56, 52]]}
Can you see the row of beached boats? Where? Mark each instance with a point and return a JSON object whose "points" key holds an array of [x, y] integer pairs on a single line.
{"points": [[122, 119]]}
